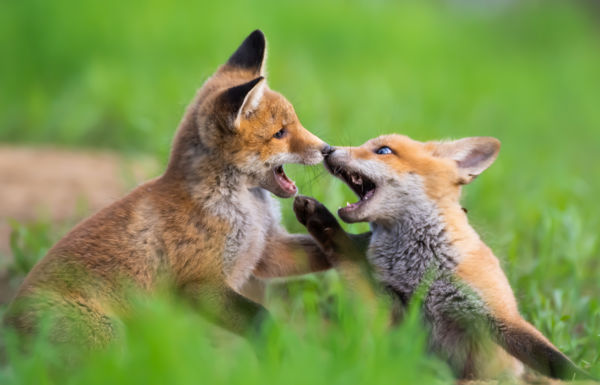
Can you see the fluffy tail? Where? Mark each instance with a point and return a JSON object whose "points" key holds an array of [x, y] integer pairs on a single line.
{"points": [[526, 343]]}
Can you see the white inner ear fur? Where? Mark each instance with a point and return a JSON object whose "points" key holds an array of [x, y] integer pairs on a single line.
{"points": [[252, 100], [263, 65], [472, 155]]}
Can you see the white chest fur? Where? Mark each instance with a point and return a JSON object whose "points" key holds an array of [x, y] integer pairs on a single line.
{"points": [[253, 219]]}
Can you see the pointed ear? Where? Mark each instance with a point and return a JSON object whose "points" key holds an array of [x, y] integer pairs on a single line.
{"points": [[243, 99], [472, 155], [251, 54]]}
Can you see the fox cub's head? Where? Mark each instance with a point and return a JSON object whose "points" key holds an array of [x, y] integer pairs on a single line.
{"points": [[246, 127], [392, 174]]}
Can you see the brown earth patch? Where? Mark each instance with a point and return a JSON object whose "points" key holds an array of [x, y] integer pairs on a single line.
{"points": [[61, 185]]}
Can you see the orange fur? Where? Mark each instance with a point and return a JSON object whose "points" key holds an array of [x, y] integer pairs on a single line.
{"points": [[206, 228], [389, 165]]}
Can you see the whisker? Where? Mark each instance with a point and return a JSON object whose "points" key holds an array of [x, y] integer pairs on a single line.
{"points": [[307, 184]]}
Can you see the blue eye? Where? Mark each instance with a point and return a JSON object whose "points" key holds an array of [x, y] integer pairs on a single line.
{"points": [[383, 150]]}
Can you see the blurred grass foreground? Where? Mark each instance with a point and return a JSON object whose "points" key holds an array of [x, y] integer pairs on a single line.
{"points": [[115, 76]]}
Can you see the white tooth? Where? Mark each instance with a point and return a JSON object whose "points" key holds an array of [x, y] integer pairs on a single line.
{"points": [[347, 203]]}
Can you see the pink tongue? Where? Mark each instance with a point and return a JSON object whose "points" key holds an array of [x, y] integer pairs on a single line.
{"points": [[284, 182]]}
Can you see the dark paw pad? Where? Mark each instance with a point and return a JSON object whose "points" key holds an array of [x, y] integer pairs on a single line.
{"points": [[319, 222], [303, 208], [310, 211]]}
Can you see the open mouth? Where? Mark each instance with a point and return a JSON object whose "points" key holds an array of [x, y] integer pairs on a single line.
{"points": [[360, 184], [286, 184]]}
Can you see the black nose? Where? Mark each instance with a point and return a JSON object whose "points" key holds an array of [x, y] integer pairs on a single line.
{"points": [[327, 150]]}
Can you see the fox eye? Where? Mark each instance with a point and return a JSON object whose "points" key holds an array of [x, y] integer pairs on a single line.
{"points": [[383, 150], [279, 134]]}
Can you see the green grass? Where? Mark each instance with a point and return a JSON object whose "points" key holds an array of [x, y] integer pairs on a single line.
{"points": [[165, 342], [119, 75]]}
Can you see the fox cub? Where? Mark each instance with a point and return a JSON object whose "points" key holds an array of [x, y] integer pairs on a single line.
{"points": [[207, 227], [409, 193]]}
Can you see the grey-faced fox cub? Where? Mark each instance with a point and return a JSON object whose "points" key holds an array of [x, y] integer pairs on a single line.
{"points": [[409, 193], [208, 226]]}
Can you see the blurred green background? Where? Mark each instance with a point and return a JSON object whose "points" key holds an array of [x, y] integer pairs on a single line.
{"points": [[119, 74]]}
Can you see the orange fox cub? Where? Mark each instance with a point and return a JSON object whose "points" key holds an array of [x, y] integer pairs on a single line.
{"points": [[409, 193], [207, 227]]}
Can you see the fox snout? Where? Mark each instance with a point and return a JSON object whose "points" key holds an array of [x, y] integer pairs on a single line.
{"points": [[309, 148], [320, 154], [334, 157], [327, 150]]}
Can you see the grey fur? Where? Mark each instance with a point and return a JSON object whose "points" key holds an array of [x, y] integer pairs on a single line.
{"points": [[421, 242], [415, 251]]}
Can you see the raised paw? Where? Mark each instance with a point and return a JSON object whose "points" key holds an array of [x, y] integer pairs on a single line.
{"points": [[311, 211], [319, 222]]}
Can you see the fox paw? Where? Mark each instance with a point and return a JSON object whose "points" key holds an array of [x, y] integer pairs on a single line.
{"points": [[319, 222]]}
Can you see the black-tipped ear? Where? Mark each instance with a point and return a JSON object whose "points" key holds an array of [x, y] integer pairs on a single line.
{"points": [[233, 99], [251, 53]]}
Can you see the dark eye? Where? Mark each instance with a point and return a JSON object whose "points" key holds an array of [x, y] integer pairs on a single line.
{"points": [[279, 134], [383, 150]]}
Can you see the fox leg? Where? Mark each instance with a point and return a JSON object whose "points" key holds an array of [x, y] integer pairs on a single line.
{"points": [[295, 254], [525, 342], [347, 252], [285, 255], [254, 288], [326, 230], [226, 308], [291, 254]]}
